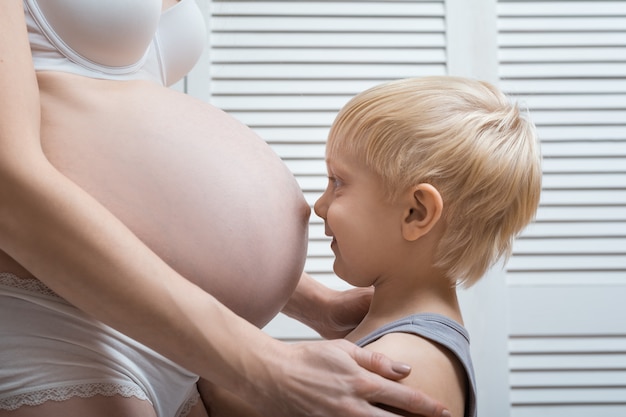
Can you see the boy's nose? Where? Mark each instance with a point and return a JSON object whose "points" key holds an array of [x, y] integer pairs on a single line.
{"points": [[320, 207]]}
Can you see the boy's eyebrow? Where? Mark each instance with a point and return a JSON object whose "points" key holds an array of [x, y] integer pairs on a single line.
{"points": [[334, 166], [334, 162]]}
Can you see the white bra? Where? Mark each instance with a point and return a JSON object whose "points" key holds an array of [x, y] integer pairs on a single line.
{"points": [[116, 39]]}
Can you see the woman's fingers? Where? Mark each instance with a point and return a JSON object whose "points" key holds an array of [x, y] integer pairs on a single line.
{"points": [[393, 394], [380, 364]]}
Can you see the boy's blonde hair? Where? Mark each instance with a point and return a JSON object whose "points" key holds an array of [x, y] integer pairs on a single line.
{"points": [[466, 139]]}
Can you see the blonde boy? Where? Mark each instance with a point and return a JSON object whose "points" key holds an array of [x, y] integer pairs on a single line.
{"points": [[430, 180]]}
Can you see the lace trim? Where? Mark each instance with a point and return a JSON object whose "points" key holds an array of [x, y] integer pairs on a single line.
{"points": [[68, 392], [27, 284], [189, 404]]}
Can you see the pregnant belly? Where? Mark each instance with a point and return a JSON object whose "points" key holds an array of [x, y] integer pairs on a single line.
{"points": [[198, 187]]}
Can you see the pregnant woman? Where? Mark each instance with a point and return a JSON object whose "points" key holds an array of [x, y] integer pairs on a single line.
{"points": [[145, 235]]}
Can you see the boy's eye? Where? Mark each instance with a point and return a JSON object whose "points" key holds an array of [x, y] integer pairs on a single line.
{"points": [[335, 182]]}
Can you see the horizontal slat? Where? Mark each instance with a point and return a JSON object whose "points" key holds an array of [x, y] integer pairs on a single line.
{"points": [[587, 262], [592, 132], [565, 379], [569, 214], [568, 345], [281, 103], [564, 278], [576, 410], [602, 395], [316, 265], [560, 8], [567, 229], [312, 183], [548, 70], [330, 40], [578, 117], [580, 165], [290, 151], [318, 71], [286, 119], [564, 86], [303, 168], [316, 233], [604, 361], [289, 86], [293, 135], [584, 197], [573, 181], [320, 8], [319, 248], [317, 55], [583, 149], [571, 246], [561, 24], [328, 24], [540, 39], [573, 101], [587, 54]]}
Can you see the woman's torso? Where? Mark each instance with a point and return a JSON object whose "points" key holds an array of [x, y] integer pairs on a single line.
{"points": [[198, 187]]}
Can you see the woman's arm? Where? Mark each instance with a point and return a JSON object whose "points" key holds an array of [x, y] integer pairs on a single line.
{"points": [[86, 255]]}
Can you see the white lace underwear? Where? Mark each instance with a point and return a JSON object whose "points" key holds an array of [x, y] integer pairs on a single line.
{"points": [[87, 391], [51, 351], [67, 392]]}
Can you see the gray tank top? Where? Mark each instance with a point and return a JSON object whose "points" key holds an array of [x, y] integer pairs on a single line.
{"points": [[443, 331]]}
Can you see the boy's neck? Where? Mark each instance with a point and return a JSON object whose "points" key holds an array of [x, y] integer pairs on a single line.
{"points": [[394, 300]]}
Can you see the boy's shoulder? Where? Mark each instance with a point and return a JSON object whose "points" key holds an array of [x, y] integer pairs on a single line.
{"points": [[437, 349], [435, 370]]}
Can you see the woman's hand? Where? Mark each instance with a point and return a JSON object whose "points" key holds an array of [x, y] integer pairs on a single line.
{"points": [[337, 378]]}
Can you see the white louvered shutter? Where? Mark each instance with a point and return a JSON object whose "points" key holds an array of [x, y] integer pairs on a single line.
{"points": [[567, 278]]}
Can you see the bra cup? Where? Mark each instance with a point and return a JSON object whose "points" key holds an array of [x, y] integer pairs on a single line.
{"points": [[177, 45], [114, 33]]}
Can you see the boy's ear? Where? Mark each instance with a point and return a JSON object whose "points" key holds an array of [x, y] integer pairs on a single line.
{"points": [[423, 211]]}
